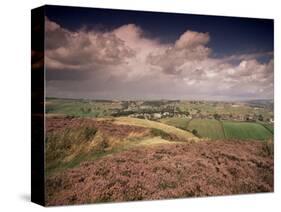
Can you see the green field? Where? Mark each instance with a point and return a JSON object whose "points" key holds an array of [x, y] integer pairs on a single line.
{"points": [[181, 123], [214, 129], [204, 127], [269, 127], [79, 107], [208, 128], [246, 130]]}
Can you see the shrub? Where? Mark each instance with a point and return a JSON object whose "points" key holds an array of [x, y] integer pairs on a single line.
{"points": [[195, 132], [160, 133]]}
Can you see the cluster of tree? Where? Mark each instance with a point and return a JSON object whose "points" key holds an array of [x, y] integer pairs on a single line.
{"points": [[217, 116], [125, 104], [119, 112]]}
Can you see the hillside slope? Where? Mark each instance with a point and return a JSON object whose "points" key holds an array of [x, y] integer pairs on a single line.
{"points": [[182, 134], [166, 171], [70, 141]]}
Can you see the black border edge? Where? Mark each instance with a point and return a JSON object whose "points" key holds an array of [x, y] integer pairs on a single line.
{"points": [[37, 106]]}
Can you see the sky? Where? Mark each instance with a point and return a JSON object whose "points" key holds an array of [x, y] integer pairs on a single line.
{"points": [[130, 55]]}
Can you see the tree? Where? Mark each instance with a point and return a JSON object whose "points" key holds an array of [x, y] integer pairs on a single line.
{"points": [[125, 104], [217, 116], [260, 118], [195, 132]]}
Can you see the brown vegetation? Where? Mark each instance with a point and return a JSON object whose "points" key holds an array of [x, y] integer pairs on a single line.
{"points": [[166, 171], [56, 124]]}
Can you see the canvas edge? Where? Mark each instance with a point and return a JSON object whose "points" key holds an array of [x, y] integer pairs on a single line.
{"points": [[37, 106]]}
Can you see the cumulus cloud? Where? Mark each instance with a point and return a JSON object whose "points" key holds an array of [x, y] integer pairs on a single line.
{"points": [[190, 47], [191, 39], [124, 63], [83, 50]]}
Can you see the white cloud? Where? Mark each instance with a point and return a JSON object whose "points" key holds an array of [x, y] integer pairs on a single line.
{"points": [[125, 63], [191, 39]]}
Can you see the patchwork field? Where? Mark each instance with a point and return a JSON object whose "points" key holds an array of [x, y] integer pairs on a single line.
{"points": [[215, 129], [244, 130]]}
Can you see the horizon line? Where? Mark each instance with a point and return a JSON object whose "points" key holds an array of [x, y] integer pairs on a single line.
{"points": [[112, 99]]}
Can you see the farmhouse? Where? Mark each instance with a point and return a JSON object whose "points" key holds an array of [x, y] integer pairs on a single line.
{"points": [[157, 115]]}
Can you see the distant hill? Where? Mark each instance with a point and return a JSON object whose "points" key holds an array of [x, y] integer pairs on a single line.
{"points": [[268, 103]]}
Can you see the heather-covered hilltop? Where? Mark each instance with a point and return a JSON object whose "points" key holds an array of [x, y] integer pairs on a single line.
{"points": [[90, 159]]}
